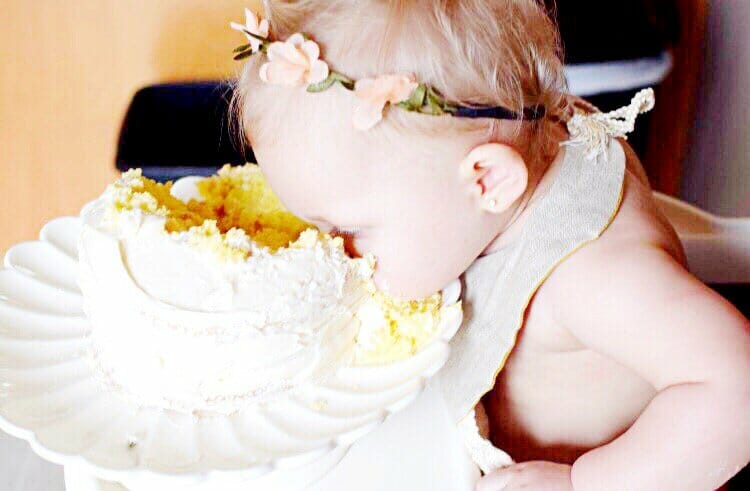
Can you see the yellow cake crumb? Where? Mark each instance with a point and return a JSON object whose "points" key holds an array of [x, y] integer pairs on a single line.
{"points": [[397, 329], [236, 199], [207, 237], [239, 197], [238, 206], [130, 193]]}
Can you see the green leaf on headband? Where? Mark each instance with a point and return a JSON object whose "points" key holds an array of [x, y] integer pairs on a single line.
{"points": [[259, 38], [416, 99], [345, 81], [324, 85], [406, 105], [243, 55], [239, 49], [434, 104]]}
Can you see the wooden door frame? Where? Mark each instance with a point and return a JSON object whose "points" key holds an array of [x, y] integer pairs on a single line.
{"points": [[674, 116]]}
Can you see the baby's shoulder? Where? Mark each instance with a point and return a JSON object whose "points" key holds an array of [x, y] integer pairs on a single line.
{"points": [[638, 235], [639, 223]]}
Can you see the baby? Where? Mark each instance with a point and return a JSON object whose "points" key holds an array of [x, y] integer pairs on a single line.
{"points": [[437, 135]]}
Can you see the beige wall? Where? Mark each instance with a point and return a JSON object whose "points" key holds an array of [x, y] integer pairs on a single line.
{"points": [[67, 72]]}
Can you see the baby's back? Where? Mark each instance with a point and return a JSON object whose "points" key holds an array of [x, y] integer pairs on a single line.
{"points": [[555, 399]]}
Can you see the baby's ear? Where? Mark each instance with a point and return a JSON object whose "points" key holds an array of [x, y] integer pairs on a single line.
{"points": [[497, 175]]}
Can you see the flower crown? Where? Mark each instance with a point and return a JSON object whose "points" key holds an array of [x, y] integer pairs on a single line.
{"points": [[296, 62]]}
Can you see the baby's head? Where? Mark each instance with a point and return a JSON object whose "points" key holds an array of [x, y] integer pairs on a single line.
{"points": [[426, 194]]}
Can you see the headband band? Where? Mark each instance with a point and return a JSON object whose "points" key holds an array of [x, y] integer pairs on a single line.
{"points": [[532, 113], [296, 62]]}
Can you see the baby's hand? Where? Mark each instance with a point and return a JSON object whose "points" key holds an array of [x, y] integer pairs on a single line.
{"points": [[537, 475]]}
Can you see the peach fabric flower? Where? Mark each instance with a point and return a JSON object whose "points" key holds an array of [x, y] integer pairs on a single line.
{"points": [[375, 93], [253, 25], [294, 62]]}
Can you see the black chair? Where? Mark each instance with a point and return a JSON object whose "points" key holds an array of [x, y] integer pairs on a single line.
{"points": [[174, 130]]}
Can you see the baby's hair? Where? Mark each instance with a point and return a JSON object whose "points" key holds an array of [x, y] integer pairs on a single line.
{"points": [[475, 52]]}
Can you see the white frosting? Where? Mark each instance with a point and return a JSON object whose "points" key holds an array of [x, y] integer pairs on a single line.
{"points": [[176, 326], [200, 320]]}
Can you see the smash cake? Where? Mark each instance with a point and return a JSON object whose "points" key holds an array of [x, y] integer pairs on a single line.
{"points": [[209, 295]]}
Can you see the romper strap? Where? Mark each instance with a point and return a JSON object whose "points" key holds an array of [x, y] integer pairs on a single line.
{"points": [[594, 131]]}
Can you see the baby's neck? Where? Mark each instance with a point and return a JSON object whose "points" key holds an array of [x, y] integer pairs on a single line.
{"points": [[515, 217]]}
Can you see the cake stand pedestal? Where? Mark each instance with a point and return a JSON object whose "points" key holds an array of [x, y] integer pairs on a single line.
{"points": [[78, 480]]}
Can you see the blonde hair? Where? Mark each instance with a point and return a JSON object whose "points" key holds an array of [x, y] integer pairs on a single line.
{"points": [[475, 52]]}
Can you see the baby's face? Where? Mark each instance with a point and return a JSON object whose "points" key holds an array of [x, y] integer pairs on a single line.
{"points": [[410, 207]]}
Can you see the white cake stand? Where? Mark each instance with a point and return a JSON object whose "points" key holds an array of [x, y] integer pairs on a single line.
{"points": [[49, 396]]}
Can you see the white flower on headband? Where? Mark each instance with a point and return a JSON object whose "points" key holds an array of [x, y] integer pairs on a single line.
{"points": [[594, 131], [375, 93], [252, 25], [294, 62]]}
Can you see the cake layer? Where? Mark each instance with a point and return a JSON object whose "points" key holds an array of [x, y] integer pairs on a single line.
{"points": [[181, 323], [211, 303], [175, 357]]}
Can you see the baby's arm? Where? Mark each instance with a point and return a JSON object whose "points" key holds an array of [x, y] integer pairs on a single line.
{"points": [[642, 309]]}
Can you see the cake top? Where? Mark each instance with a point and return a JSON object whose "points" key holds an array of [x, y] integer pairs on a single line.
{"points": [[236, 210], [274, 261]]}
